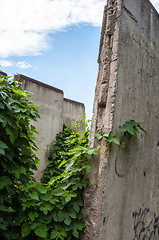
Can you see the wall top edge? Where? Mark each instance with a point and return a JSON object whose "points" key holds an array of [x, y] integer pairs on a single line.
{"points": [[20, 77], [74, 102], [152, 6]]}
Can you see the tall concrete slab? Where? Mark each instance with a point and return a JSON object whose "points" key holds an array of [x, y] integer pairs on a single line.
{"points": [[122, 200]]}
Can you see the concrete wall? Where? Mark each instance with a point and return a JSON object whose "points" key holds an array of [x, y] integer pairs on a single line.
{"points": [[75, 108], [122, 201], [54, 111]]}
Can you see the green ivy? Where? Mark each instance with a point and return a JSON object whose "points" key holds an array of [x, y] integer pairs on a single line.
{"points": [[17, 152], [52, 208], [109, 138], [132, 128]]}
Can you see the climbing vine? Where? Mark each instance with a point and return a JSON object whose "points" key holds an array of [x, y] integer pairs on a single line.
{"points": [[130, 128], [53, 207], [17, 152]]}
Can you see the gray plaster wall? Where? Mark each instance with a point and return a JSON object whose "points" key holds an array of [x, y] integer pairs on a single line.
{"points": [[54, 111], [122, 200]]}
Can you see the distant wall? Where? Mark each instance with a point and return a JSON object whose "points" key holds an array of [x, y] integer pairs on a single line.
{"points": [[122, 201], [75, 108], [54, 111]]}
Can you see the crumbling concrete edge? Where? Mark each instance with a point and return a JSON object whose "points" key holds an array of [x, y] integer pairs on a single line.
{"points": [[102, 120]]}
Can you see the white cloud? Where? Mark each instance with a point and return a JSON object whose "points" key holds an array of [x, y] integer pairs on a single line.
{"points": [[5, 63], [23, 65], [25, 24]]}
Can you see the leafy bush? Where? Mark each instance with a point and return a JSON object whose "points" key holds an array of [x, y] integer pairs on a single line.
{"points": [[29, 209], [17, 152], [52, 208]]}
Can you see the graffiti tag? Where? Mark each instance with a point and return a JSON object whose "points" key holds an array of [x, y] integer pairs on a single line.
{"points": [[146, 225]]}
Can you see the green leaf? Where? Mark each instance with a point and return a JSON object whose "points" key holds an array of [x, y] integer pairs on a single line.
{"points": [[105, 134], [60, 216], [76, 207], [62, 163], [33, 215], [92, 151], [122, 129], [3, 227], [25, 230], [34, 195], [72, 213], [55, 217], [75, 233], [4, 208], [113, 138], [33, 129], [98, 136], [45, 197], [78, 225], [54, 234], [3, 145], [53, 180], [2, 152], [5, 181], [34, 225], [129, 129], [68, 198], [2, 106], [41, 188], [46, 208], [142, 129], [67, 220], [41, 231], [58, 233]]}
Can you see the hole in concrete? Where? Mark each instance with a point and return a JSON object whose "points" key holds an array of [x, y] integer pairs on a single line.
{"points": [[112, 11], [158, 145], [104, 220], [113, 2], [144, 173]]}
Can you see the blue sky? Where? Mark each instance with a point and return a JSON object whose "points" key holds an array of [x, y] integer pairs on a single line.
{"points": [[54, 41], [70, 63]]}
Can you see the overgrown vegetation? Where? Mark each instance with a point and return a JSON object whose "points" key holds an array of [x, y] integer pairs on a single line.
{"points": [[29, 209], [53, 207], [17, 153]]}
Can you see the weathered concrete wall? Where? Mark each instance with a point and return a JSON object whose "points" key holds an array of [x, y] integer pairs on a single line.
{"points": [[54, 111], [122, 201], [76, 109]]}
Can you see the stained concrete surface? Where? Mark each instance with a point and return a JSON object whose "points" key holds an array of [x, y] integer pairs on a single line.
{"points": [[122, 200]]}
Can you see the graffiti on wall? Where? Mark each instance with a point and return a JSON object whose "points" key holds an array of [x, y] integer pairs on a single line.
{"points": [[146, 225]]}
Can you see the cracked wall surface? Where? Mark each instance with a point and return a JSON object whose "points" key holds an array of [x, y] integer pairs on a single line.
{"points": [[122, 200]]}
